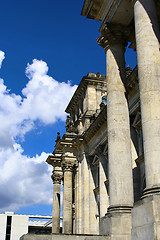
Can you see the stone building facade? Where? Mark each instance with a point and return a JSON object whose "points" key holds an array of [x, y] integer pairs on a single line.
{"points": [[109, 157]]}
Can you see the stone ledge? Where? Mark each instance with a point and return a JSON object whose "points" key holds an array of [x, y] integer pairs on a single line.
{"points": [[62, 237], [36, 237]]}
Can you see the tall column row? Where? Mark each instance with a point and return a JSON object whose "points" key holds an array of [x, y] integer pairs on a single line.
{"points": [[63, 169]]}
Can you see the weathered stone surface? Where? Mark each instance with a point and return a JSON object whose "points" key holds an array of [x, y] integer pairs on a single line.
{"points": [[118, 226], [146, 219], [62, 237], [36, 237]]}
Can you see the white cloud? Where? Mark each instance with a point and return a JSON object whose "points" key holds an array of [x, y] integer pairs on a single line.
{"points": [[25, 180], [2, 57]]}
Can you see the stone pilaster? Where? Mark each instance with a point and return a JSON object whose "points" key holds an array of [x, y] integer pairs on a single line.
{"points": [[119, 145], [85, 195], [56, 178], [67, 166], [148, 56]]}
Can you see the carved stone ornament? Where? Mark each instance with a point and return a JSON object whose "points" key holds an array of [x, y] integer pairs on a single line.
{"points": [[56, 177], [113, 34], [67, 165]]}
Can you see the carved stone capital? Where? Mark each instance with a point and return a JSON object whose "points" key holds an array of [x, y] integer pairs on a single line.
{"points": [[113, 34], [56, 177], [67, 165]]}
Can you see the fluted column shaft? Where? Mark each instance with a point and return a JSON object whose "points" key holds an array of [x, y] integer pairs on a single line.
{"points": [[119, 146], [148, 57], [67, 167], [56, 177]]}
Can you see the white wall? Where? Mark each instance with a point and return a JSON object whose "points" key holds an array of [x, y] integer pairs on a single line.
{"points": [[19, 226], [3, 221]]}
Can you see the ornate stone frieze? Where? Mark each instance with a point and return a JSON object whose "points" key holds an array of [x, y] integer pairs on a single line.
{"points": [[56, 177], [113, 34]]}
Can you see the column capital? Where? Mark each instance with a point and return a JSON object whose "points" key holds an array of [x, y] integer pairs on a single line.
{"points": [[113, 34], [57, 177], [68, 164]]}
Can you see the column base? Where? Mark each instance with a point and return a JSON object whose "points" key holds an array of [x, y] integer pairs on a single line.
{"points": [[119, 209], [150, 191], [146, 218], [117, 225]]}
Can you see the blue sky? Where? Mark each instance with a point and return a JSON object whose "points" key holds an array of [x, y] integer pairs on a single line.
{"points": [[47, 47]]}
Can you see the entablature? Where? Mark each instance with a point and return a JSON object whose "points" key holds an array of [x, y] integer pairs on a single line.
{"points": [[111, 11]]}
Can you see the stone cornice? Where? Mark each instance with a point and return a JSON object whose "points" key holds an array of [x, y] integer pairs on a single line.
{"points": [[54, 160], [90, 79], [117, 11], [91, 9], [66, 141]]}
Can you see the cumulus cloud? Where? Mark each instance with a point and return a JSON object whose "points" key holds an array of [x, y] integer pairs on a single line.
{"points": [[25, 180]]}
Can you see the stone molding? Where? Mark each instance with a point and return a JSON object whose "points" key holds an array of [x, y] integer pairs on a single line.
{"points": [[113, 34], [119, 209], [150, 191], [53, 160]]}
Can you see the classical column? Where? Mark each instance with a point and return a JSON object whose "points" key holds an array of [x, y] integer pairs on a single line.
{"points": [[148, 56], [55, 161], [119, 145], [56, 177], [67, 166]]}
